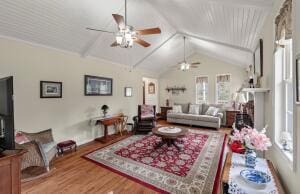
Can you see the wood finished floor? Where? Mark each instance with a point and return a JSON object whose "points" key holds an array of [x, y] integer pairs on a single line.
{"points": [[73, 174]]}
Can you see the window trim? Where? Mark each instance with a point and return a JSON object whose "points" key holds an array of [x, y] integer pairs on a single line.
{"points": [[196, 96], [291, 164], [216, 88]]}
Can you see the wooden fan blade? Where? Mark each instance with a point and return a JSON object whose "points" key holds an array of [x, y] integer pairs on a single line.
{"points": [[142, 42], [149, 31], [114, 44], [99, 30], [120, 20], [196, 63]]}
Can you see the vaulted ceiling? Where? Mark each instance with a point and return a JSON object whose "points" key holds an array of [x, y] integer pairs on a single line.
{"points": [[225, 29]]}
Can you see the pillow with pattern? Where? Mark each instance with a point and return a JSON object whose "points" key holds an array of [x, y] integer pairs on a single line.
{"points": [[194, 109], [212, 111], [177, 109]]}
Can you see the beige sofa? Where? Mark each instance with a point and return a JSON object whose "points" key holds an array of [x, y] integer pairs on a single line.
{"points": [[202, 119]]}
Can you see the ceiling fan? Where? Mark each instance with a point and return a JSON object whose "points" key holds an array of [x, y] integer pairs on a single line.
{"points": [[126, 34], [184, 65]]}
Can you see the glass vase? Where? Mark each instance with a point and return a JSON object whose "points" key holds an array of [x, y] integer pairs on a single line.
{"points": [[250, 158]]}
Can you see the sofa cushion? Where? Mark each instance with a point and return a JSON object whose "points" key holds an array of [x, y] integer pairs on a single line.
{"points": [[194, 109], [184, 107], [177, 109], [212, 111], [48, 146], [194, 117]]}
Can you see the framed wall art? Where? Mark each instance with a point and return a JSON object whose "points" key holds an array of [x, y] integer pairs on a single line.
{"points": [[151, 88], [98, 86], [258, 59], [50, 89]]}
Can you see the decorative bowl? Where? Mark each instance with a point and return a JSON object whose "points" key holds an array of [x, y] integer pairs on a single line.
{"points": [[255, 178]]}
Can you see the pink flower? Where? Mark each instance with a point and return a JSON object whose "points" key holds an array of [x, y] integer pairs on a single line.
{"points": [[252, 139]]}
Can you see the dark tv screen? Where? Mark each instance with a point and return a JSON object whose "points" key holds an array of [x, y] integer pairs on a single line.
{"points": [[4, 98]]}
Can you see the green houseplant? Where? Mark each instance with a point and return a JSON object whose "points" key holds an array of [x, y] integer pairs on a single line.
{"points": [[104, 109]]}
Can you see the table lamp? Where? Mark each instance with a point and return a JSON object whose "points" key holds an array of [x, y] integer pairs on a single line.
{"points": [[240, 99]]}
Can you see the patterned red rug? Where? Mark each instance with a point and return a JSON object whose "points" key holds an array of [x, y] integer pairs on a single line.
{"points": [[194, 169]]}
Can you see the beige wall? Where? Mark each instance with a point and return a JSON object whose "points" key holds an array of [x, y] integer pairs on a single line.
{"points": [[209, 67], [289, 176], [69, 117]]}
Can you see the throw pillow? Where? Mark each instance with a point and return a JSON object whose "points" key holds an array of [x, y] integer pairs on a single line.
{"points": [[184, 107], [212, 111], [176, 109], [20, 138], [194, 109]]}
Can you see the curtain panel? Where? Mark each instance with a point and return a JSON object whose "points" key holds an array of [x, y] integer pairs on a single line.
{"points": [[283, 23]]}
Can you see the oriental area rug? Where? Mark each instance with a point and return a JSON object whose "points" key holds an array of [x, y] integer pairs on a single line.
{"points": [[195, 169]]}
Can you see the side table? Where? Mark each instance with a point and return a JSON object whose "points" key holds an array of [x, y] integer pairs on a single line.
{"points": [[230, 117], [164, 111]]}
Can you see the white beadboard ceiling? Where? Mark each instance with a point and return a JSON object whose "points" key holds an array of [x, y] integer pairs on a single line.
{"points": [[225, 29]]}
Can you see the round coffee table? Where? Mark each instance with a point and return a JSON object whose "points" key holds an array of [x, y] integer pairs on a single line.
{"points": [[169, 135]]}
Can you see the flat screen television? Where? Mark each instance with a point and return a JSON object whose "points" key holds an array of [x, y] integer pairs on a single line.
{"points": [[7, 134]]}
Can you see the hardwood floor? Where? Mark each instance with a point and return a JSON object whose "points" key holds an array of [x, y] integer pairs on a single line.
{"points": [[73, 174]]}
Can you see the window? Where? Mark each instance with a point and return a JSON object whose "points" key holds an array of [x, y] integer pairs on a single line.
{"points": [[201, 89], [284, 99], [223, 89]]}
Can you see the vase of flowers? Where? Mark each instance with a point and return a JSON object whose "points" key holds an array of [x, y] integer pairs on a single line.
{"points": [[252, 140], [104, 109]]}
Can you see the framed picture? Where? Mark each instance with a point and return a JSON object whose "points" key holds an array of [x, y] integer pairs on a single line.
{"points": [[98, 86], [151, 88], [49, 89], [258, 59], [298, 80], [128, 91]]}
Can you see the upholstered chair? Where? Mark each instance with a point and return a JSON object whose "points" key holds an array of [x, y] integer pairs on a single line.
{"points": [[145, 121], [41, 149]]}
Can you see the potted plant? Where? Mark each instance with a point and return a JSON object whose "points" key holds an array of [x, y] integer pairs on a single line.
{"points": [[252, 140], [104, 109]]}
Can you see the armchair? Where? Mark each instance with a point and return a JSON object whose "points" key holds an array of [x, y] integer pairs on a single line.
{"points": [[41, 149], [145, 121]]}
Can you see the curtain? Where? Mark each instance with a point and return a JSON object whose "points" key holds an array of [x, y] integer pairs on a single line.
{"points": [[223, 78], [283, 22], [200, 80]]}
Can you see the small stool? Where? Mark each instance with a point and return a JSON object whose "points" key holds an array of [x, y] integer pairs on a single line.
{"points": [[66, 145]]}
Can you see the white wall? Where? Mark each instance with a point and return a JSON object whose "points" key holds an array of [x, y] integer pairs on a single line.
{"points": [[289, 176], [209, 67], [68, 117], [151, 99]]}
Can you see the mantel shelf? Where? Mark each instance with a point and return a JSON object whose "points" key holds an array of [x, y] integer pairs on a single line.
{"points": [[256, 90]]}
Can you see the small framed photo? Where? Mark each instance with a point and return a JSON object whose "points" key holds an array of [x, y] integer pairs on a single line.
{"points": [[151, 88], [128, 91], [98, 86], [298, 80], [49, 89], [258, 59]]}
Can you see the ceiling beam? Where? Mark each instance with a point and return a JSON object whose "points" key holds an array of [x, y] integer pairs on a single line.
{"points": [[154, 50], [217, 42]]}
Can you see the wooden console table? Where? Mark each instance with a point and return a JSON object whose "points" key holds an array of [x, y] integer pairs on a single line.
{"points": [[226, 169], [10, 171], [107, 121]]}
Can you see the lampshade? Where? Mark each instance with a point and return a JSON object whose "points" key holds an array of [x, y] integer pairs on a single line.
{"points": [[240, 98]]}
